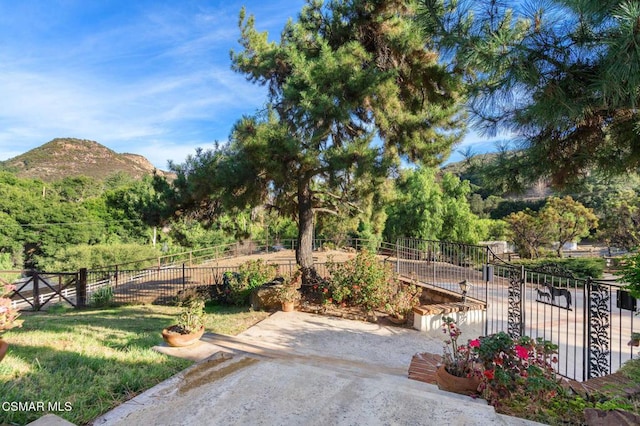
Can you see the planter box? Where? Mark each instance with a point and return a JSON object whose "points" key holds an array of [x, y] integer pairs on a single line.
{"points": [[429, 317]]}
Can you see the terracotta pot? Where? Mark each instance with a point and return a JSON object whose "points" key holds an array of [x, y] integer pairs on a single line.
{"points": [[178, 340], [288, 306], [462, 385], [3, 348]]}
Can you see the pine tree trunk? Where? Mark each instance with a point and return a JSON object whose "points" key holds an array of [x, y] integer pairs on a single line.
{"points": [[304, 250]]}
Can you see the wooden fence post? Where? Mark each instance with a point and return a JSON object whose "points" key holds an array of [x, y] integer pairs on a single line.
{"points": [[36, 291], [81, 289]]}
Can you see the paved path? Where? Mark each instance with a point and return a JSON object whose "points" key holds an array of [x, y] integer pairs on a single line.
{"points": [[304, 369]]}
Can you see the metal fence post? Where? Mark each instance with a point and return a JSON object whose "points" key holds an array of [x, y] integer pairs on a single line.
{"points": [[397, 255], [523, 297], [586, 350], [184, 278]]}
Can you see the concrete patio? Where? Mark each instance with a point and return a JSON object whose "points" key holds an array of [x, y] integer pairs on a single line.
{"points": [[304, 369]]}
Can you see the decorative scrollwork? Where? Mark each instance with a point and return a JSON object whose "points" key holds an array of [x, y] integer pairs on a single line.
{"points": [[599, 299], [554, 269], [514, 320]]}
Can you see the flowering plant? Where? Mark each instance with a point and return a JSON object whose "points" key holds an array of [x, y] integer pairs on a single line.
{"points": [[459, 360], [517, 368], [288, 292], [8, 314]]}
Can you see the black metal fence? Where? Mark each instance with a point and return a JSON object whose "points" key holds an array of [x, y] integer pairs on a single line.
{"points": [[442, 264], [590, 320], [210, 255], [162, 285]]}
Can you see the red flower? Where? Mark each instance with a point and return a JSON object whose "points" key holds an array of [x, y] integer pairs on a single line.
{"points": [[489, 374], [522, 352], [474, 343]]}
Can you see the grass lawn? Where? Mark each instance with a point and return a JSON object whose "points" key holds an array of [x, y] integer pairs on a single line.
{"points": [[90, 361]]}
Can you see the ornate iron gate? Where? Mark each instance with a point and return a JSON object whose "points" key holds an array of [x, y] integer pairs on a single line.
{"points": [[576, 314]]}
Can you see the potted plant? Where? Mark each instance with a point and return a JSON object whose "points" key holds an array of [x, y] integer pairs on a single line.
{"points": [[460, 371], [8, 315], [189, 326], [517, 371], [288, 293], [635, 339]]}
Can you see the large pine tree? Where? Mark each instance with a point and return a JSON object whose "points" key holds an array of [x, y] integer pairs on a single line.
{"points": [[352, 93], [562, 75]]}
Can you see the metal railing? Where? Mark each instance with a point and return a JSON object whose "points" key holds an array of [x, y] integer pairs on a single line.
{"points": [[162, 285], [591, 321]]}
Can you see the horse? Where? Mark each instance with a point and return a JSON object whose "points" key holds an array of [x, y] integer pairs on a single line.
{"points": [[543, 294], [555, 291]]}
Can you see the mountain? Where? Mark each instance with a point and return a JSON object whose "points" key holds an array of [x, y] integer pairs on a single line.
{"points": [[68, 157]]}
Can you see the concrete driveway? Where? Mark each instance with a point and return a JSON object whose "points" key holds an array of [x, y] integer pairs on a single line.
{"points": [[304, 369]]}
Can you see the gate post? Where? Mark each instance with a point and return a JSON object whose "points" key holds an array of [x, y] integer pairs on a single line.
{"points": [[36, 291], [523, 304], [515, 324], [597, 348], [81, 288]]}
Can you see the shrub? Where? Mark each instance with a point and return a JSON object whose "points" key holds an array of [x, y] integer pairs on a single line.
{"points": [[362, 281], [403, 300], [102, 297], [630, 275], [99, 256], [238, 285], [580, 267]]}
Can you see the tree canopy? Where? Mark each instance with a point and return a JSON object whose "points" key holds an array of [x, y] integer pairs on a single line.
{"points": [[562, 75], [561, 220], [432, 208], [352, 92]]}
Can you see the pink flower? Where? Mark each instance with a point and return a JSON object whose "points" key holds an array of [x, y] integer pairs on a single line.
{"points": [[474, 343], [522, 352]]}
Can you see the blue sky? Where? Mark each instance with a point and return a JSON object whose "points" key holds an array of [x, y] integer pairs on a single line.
{"points": [[148, 77]]}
